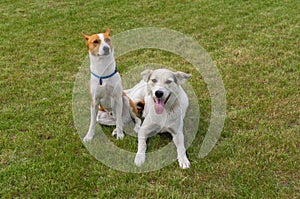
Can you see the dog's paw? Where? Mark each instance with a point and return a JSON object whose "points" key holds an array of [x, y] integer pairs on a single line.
{"points": [[139, 159], [105, 118], [87, 138], [119, 134], [184, 163]]}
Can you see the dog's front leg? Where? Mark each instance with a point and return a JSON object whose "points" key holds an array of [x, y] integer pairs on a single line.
{"points": [[142, 146], [146, 129], [178, 139], [94, 111], [117, 110]]}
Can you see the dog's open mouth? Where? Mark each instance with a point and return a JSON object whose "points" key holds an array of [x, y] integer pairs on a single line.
{"points": [[159, 104]]}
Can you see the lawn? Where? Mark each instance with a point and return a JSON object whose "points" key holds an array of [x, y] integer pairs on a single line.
{"points": [[255, 46]]}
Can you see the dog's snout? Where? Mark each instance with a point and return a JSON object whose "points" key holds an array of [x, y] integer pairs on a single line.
{"points": [[106, 49], [159, 93]]}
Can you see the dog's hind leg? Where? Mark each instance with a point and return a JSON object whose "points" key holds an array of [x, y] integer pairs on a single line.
{"points": [[136, 119], [106, 118], [133, 111]]}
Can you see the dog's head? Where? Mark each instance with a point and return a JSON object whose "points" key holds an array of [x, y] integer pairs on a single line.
{"points": [[163, 83], [99, 44]]}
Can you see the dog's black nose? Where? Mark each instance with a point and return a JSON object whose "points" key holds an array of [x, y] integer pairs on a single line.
{"points": [[106, 49], [159, 93]]}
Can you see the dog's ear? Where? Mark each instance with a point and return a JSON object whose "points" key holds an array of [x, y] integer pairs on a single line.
{"points": [[107, 32], [181, 77], [146, 74], [86, 37]]}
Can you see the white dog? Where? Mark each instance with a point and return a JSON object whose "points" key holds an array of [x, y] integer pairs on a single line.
{"points": [[164, 111], [105, 84]]}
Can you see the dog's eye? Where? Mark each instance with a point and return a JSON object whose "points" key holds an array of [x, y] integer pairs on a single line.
{"points": [[96, 42], [154, 80], [107, 40], [168, 81]]}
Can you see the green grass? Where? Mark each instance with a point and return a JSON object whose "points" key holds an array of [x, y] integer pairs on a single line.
{"points": [[255, 45]]}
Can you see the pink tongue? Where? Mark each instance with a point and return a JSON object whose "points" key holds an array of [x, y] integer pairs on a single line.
{"points": [[159, 106]]}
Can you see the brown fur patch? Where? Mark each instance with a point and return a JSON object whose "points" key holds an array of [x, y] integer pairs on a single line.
{"points": [[100, 108], [93, 42], [131, 103], [140, 105]]}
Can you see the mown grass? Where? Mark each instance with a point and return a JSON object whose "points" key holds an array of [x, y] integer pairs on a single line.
{"points": [[255, 45]]}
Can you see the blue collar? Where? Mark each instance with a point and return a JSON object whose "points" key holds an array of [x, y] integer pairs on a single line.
{"points": [[104, 77]]}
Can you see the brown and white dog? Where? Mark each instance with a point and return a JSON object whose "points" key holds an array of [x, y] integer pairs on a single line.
{"points": [[106, 86], [134, 97]]}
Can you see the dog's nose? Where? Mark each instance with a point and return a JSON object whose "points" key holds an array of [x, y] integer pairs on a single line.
{"points": [[106, 49], [159, 93]]}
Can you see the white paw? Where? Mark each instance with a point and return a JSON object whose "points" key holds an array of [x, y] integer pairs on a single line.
{"points": [[139, 159], [184, 163], [119, 134], [87, 138]]}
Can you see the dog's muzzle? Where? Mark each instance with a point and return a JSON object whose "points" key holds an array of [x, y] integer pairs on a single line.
{"points": [[159, 93], [106, 50], [160, 101]]}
